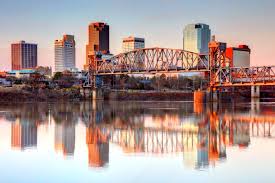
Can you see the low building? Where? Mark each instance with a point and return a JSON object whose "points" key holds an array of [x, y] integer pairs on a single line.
{"points": [[132, 43], [77, 73], [21, 73], [44, 71], [4, 82], [3, 74], [239, 56]]}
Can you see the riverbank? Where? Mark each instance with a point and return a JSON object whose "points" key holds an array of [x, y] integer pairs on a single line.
{"points": [[150, 95], [27, 94]]}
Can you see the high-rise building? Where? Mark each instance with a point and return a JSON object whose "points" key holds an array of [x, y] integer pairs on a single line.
{"points": [[98, 34], [196, 38], [64, 53], [132, 43], [239, 56], [23, 55]]}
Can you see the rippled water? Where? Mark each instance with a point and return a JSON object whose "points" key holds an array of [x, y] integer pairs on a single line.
{"points": [[137, 142]]}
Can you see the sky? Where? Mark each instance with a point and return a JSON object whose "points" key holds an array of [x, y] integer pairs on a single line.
{"points": [[160, 22]]}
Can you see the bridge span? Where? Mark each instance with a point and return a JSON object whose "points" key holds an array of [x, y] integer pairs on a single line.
{"points": [[216, 66], [151, 61]]}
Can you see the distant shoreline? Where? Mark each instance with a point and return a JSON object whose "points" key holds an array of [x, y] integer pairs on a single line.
{"points": [[20, 94]]}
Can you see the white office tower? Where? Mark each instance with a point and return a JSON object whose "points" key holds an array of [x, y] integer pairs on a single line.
{"points": [[132, 43], [64, 53], [196, 38]]}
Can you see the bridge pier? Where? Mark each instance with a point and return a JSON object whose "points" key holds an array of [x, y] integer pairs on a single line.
{"points": [[200, 97], [215, 96], [255, 91], [97, 94], [86, 92], [206, 96], [212, 95], [255, 105]]}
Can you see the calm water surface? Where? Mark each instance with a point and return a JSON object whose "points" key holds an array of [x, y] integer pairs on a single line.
{"points": [[137, 142]]}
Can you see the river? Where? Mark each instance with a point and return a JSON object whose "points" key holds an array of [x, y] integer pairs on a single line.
{"points": [[137, 142]]}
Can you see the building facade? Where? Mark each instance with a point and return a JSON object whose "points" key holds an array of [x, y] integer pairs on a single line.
{"points": [[239, 56], [98, 36], [132, 43], [23, 55], [64, 53], [196, 38]]}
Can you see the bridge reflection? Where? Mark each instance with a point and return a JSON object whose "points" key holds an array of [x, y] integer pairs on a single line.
{"points": [[202, 137], [200, 133], [201, 143]]}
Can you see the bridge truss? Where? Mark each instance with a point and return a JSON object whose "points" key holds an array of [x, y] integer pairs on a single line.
{"points": [[151, 61], [237, 76], [165, 60]]}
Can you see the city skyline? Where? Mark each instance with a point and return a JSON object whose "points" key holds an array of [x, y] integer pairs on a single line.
{"points": [[244, 26]]}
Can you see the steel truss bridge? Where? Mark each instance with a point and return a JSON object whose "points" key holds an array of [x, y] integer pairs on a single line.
{"points": [[166, 60], [152, 61]]}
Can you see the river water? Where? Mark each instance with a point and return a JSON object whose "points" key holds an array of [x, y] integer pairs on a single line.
{"points": [[137, 142]]}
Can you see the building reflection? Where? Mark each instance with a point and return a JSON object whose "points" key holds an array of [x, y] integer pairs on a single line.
{"points": [[64, 138], [65, 117], [98, 147], [201, 134], [23, 134]]}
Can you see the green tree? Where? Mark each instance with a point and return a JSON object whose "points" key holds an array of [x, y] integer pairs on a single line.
{"points": [[57, 76]]}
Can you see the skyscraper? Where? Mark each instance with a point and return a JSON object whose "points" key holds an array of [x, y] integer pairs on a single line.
{"points": [[132, 43], [64, 53], [23, 55], [98, 34], [196, 38]]}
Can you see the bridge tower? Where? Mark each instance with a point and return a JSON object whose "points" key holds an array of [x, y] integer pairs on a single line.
{"points": [[97, 93], [219, 66]]}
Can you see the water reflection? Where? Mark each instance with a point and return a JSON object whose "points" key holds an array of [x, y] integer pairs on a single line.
{"points": [[200, 133], [98, 147], [64, 138], [23, 134]]}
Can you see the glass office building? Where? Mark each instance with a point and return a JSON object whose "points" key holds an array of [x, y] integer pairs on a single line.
{"points": [[196, 38]]}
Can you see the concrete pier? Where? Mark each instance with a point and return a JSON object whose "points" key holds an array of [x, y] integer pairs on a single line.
{"points": [[199, 96], [86, 92], [255, 91], [97, 94], [94, 94], [255, 105], [206, 96]]}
